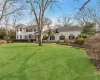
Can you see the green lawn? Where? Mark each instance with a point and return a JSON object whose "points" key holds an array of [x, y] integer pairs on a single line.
{"points": [[49, 62]]}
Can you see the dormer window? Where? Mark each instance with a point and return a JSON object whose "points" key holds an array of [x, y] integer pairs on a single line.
{"points": [[71, 36], [62, 37]]}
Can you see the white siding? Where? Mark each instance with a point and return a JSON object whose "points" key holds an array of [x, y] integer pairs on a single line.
{"points": [[66, 34], [23, 33]]}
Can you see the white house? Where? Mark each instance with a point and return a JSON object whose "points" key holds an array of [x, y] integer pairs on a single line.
{"points": [[24, 32]]}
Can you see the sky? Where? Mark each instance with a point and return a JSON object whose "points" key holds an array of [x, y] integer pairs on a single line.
{"points": [[67, 7]]}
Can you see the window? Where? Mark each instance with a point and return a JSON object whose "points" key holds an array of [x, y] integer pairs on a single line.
{"points": [[71, 36], [30, 36], [45, 37], [20, 36], [26, 30], [20, 29], [52, 37], [29, 30], [34, 29], [62, 37]]}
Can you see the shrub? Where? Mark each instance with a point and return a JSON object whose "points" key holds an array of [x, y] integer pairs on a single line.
{"points": [[89, 28], [82, 36], [72, 41], [66, 41], [45, 41], [2, 33], [59, 42], [22, 40], [11, 34], [80, 41], [9, 41]]}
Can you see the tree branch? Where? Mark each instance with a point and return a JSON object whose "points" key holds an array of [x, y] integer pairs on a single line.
{"points": [[3, 10], [85, 4], [13, 11], [33, 9]]}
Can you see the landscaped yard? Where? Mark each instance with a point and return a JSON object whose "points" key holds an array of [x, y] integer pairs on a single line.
{"points": [[49, 62]]}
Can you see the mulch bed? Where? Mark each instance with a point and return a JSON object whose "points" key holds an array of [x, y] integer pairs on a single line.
{"points": [[74, 45], [3, 42]]}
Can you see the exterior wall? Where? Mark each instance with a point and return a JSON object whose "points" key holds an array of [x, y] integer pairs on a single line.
{"points": [[23, 33], [18, 33], [66, 34]]}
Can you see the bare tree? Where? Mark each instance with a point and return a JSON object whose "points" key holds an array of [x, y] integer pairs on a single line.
{"points": [[39, 7], [88, 15], [85, 4], [81, 18], [31, 23], [8, 6], [16, 17], [6, 23], [65, 20], [14, 21], [47, 22]]}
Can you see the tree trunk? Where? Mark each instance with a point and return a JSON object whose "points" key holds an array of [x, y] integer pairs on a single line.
{"points": [[40, 38], [48, 38], [7, 35]]}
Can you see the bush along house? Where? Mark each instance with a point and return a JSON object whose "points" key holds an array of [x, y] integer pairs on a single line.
{"points": [[30, 33]]}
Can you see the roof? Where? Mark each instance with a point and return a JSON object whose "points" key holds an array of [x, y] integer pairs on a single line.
{"points": [[69, 28], [21, 26], [25, 26], [65, 28], [33, 26], [47, 30]]}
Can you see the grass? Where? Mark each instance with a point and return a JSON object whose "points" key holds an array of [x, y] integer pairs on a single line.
{"points": [[49, 62]]}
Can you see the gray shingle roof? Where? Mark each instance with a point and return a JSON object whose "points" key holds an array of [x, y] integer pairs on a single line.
{"points": [[65, 29], [69, 28], [25, 26], [21, 26]]}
